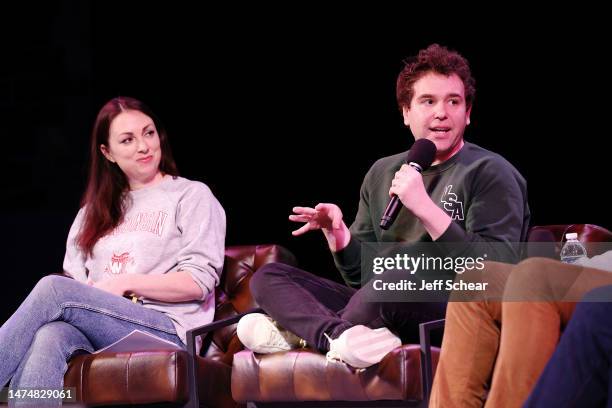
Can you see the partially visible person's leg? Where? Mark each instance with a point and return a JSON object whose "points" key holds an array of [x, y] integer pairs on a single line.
{"points": [[469, 348], [530, 332], [301, 302], [470, 344], [45, 363], [531, 327], [578, 374], [101, 316]]}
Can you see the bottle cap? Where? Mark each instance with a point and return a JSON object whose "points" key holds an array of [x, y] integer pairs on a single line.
{"points": [[571, 235]]}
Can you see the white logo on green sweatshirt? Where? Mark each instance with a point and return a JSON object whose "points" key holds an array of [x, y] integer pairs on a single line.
{"points": [[451, 204]]}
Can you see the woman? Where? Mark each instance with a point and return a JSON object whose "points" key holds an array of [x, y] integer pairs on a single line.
{"points": [[142, 231]]}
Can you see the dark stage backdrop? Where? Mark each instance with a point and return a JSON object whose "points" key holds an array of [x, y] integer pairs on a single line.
{"points": [[276, 108]]}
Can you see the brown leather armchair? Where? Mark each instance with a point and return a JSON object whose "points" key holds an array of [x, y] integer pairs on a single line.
{"points": [[167, 377]]}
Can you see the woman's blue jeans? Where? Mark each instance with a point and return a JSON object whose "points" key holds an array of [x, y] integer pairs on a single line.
{"points": [[61, 317]]}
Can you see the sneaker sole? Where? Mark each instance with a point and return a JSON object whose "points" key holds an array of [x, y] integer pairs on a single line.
{"points": [[370, 346]]}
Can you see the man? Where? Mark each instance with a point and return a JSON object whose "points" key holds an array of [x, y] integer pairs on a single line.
{"points": [[468, 195]]}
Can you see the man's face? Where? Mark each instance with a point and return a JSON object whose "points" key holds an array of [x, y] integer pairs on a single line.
{"points": [[438, 112]]}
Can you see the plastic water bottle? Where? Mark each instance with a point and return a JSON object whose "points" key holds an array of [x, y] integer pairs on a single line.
{"points": [[573, 249]]}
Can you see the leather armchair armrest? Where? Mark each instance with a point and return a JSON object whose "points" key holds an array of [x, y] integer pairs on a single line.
{"points": [[191, 349]]}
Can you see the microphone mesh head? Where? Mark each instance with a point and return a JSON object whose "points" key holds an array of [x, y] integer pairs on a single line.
{"points": [[422, 152]]}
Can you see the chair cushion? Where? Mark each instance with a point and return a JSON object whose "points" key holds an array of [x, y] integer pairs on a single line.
{"points": [[129, 378], [306, 375]]}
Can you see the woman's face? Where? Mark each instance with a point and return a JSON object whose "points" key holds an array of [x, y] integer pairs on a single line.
{"points": [[133, 143]]}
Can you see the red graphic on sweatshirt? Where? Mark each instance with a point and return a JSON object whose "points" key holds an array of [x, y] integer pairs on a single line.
{"points": [[119, 263]]}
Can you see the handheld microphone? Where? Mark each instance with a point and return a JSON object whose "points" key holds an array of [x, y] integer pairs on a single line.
{"points": [[420, 157]]}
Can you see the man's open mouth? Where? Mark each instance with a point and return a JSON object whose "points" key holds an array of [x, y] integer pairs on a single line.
{"points": [[440, 129]]}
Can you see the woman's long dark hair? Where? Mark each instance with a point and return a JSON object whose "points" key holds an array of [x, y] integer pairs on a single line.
{"points": [[107, 185]]}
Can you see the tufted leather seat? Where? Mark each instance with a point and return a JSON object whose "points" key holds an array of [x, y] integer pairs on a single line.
{"points": [[163, 377]]}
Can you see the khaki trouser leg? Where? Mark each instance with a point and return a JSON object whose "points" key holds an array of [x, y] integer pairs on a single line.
{"points": [[469, 347]]}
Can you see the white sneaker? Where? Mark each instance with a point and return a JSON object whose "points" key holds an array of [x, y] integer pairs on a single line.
{"points": [[361, 347], [259, 333]]}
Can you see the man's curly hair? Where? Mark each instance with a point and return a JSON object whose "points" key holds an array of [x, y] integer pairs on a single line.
{"points": [[434, 58]]}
